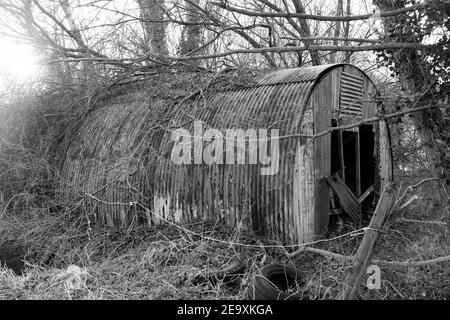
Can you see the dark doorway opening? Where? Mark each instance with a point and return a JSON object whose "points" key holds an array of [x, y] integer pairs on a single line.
{"points": [[345, 156], [367, 155], [350, 151], [353, 158], [335, 149]]}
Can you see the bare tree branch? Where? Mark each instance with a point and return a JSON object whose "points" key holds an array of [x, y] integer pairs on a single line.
{"points": [[380, 46], [319, 17]]}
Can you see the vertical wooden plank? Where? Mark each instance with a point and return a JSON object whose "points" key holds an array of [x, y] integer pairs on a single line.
{"points": [[323, 100], [386, 168], [371, 235], [341, 153], [304, 184], [358, 164]]}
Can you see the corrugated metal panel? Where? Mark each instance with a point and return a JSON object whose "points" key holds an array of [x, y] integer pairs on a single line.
{"points": [[295, 75], [119, 154], [324, 102]]}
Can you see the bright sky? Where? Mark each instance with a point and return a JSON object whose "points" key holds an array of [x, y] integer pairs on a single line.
{"points": [[17, 61]]}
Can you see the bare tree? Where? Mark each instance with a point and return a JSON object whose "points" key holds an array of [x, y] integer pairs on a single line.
{"points": [[190, 38], [347, 30], [102, 38], [152, 14], [337, 28], [88, 66], [305, 30]]}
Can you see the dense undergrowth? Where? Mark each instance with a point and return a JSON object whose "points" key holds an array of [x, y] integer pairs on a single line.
{"points": [[48, 233], [66, 257]]}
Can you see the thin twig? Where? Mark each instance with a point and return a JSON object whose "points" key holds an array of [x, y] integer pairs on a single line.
{"points": [[421, 221], [410, 188]]}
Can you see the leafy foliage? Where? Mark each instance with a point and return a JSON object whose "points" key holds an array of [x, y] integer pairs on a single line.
{"points": [[424, 75], [430, 25]]}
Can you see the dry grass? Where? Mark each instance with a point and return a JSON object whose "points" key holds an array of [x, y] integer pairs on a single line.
{"points": [[155, 263], [167, 263]]}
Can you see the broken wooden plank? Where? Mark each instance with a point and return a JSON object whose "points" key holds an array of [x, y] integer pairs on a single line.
{"points": [[346, 204], [347, 199], [358, 164], [341, 153], [366, 194], [365, 251], [350, 192]]}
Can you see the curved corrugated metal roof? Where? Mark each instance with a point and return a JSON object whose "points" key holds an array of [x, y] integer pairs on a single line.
{"points": [[295, 74], [119, 154]]}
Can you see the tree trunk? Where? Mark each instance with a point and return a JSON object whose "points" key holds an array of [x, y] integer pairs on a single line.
{"points": [[337, 30], [88, 69], [417, 82], [347, 30], [152, 14], [190, 38], [306, 32]]}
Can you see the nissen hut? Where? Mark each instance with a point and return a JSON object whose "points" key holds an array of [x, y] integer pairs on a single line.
{"points": [[146, 159]]}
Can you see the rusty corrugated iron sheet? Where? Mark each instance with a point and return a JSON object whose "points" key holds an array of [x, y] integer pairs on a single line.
{"points": [[120, 156], [294, 75]]}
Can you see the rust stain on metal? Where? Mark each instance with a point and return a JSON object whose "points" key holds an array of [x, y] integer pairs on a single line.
{"points": [[119, 154]]}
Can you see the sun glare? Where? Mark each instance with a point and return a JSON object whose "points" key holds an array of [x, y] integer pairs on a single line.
{"points": [[17, 61]]}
